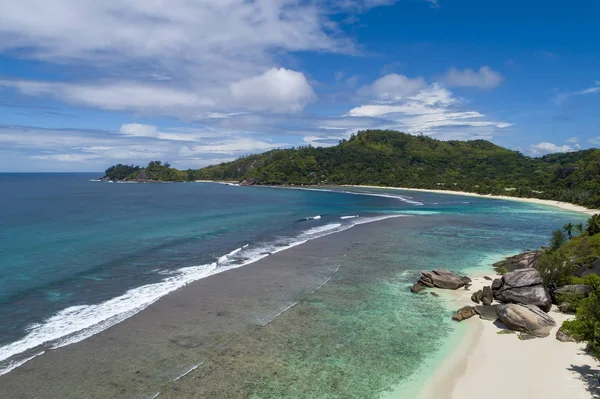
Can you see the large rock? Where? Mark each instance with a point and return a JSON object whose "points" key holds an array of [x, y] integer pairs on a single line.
{"points": [[526, 318], [576, 289], [416, 288], [443, 279], [484, 296], [487, 312], [464, 313], [521, 261], [248, 182], [563, 336], [523, 286], [593, 268], [488, 296]]}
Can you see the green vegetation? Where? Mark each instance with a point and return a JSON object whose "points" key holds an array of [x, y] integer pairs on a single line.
{"points": [[568, 228], [121, 172], [155, 171], [586, 325], [560, 265], [389, 158], [593, 225], [558, 240], [556, 269]]}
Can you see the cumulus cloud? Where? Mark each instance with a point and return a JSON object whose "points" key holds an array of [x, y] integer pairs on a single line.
{"points": [[185, 58], [430, 109], [544, 148], [485, 78], [275, 90], [116, 96], [393, 87]]}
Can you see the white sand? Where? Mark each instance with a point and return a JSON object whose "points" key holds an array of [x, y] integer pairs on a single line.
{"points": [[490, 365], [562, 205]]}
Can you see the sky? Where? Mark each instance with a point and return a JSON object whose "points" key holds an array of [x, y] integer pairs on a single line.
{"points": [[85, 84]]}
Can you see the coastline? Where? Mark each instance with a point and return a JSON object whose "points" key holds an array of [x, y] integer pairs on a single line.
{"points": [[566, 206], [502, 365], [557, 204]]}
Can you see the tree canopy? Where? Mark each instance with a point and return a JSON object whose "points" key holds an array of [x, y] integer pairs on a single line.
{"points": [[390, 158]]}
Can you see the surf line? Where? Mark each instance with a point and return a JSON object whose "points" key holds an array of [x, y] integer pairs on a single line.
{"points": [[187, 372]]}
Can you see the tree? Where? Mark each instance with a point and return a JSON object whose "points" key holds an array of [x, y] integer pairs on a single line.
{"points": [[593, 225], [579, 228], [558, 240], [568, 228], [586, 325], [556, 270]]}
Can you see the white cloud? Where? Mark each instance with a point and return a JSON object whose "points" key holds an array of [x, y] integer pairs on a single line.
{"points": [[393, 87], [595, 140], [561, 98], [116, 96], [133, 143], [431, 110], [275, 90], [184, 58], [544, 148], [485, 78]]}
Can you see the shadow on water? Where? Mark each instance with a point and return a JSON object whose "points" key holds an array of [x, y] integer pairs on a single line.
{"points": [[590, 376]]}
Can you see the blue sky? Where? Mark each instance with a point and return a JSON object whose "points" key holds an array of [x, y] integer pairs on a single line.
{"points": [[85, 84]]}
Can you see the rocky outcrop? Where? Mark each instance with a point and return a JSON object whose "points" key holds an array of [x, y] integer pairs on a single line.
{"points": [[567, 307], [464, 313], [248, 182], [416, 288], [521, 261], [563, 336], [484, 296], [524, 286], [443, 279], [487, 312], [575, 289], [593, 268], [529, 319]]}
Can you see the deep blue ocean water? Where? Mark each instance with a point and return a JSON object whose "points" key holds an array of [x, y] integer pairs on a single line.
{"points": [[77, 256]]}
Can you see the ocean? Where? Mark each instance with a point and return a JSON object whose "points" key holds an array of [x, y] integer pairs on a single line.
{"points": [[78, 257]]}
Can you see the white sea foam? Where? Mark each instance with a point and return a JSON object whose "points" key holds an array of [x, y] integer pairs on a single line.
{"points": [[348, 217], [403, 198], [76, 323], [225, 258], [13, 365], [376, 218], [321, 229], [189, 371]]}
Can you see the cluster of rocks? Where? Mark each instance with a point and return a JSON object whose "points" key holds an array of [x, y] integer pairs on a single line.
{"points": [[521, 261], [441, 279], [523, 299]]}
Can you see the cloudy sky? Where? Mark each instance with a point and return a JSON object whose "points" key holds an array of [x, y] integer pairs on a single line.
{"points": [[85, 84]]}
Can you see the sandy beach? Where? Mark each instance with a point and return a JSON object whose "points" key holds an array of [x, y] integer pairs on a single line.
{"points": [[562, 205], [503, 366]]}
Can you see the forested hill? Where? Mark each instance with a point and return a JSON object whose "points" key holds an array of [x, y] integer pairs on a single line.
{"points": [[389, 158]]}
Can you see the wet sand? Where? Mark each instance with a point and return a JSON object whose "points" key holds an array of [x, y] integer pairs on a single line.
{"points": [[206, 325]]}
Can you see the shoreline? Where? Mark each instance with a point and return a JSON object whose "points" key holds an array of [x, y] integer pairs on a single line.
{"points": [[503, 366], [567, 206]]}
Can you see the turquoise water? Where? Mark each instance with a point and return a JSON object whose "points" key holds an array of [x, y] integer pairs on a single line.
{"points": [[77, 256]]}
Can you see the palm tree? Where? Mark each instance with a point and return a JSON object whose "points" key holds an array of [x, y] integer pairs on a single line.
{"points": [[593, 225], [568, 228], [579, 228]]}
